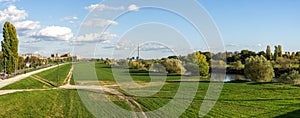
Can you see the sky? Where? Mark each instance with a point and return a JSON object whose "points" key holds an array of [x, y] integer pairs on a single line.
{"points": [[93, 28]]}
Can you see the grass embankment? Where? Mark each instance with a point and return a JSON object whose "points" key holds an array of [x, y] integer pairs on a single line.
{"points": [[49, 76], [39, 104]]}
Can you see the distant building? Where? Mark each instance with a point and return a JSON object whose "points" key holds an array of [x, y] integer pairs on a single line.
{"points": [[30, 55], [60, 56]]}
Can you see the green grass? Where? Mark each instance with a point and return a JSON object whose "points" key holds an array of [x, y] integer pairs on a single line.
{"points": [[38, 104], [27, 83], [51, 75], [57, 74], [236, 99]]}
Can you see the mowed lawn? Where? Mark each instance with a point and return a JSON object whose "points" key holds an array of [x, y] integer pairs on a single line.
{"points": [[40, 104], [57, 74], [50, 75], [236, 99]]}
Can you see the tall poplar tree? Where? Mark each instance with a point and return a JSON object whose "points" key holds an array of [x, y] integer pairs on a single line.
{"points": [[276, 53], [279, 50], [10, 48], [268, 53]]}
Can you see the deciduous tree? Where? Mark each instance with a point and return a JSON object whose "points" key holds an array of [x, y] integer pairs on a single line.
{"points": [[259, 69]]}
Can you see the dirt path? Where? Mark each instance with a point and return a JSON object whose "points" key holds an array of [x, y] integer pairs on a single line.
{"points": [[69, 77]]}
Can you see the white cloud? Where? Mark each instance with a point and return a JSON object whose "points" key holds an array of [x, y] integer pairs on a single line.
{"points": [[51, 33], [8, 0], [98, 23], [92, 37], [102, 7], [122, 45], [12, 14], [232, 45], [27, 25], [70, 19], [259, 45], [133, 7]]}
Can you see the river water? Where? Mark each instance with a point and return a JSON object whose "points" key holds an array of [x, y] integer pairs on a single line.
{"points": [[234, 77]]}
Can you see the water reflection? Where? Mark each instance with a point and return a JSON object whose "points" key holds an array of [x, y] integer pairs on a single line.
{"points": [[235, 77]]}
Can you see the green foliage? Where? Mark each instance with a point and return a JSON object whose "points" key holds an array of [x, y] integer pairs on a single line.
{"points": [[218, 64], [279, 50], [34, 61], [21, 63], [133, 64], [237, 65], [283, 62], [107, 61], [276, 53], [292, 77], [157, 67], [259, 69], [10, 47], [1, 62], [203, 64], [174, 66], [122, 63], [268, 53], [199, 59], [193, 68]]}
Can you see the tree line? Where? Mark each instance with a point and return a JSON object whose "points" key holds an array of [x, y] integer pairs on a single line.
{"points": [[260, 67]]}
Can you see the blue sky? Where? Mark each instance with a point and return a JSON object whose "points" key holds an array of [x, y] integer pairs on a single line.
{"points": [[52, 26]]}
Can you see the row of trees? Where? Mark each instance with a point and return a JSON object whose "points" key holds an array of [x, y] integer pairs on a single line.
{"points": [[256, 66], [195, 64]]}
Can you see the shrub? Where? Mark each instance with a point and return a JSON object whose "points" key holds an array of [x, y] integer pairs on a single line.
{"points": [[157, 67], [133, 65], [174, 66], [292, 77], [197, 59], [259, 69], [193, 68], [238, 65], [218, 64]]}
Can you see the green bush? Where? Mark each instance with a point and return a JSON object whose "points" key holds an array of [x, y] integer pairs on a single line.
{"points": [[174, 66], [237, 65], [259, 69], [292, 77]]}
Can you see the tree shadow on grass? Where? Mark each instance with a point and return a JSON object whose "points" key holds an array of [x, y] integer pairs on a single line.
{"points": [[260, 83], [293, 114]]}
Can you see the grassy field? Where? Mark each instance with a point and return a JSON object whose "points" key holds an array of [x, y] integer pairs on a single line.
{"points": [[38, 104], [50, 75], [27, 83], [236, 100], [56, 75]]}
